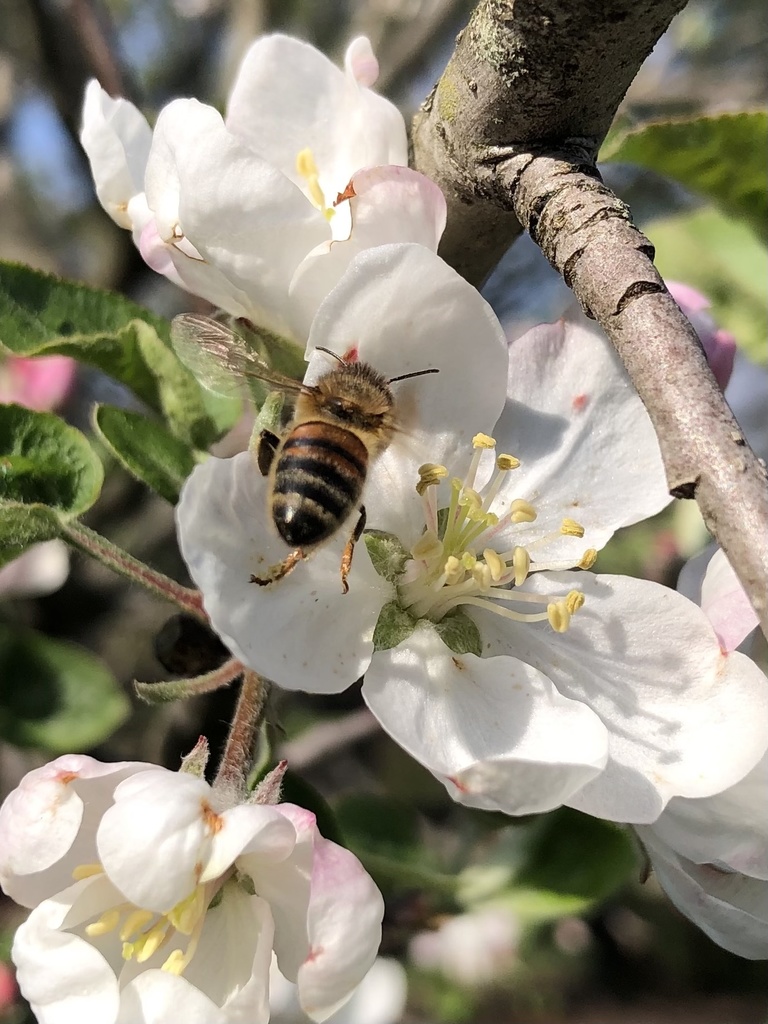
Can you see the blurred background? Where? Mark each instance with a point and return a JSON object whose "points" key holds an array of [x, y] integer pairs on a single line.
{"points": [[573, 933]]}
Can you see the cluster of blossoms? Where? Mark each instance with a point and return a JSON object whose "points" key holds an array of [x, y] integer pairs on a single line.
{"points": [[488, 649]]}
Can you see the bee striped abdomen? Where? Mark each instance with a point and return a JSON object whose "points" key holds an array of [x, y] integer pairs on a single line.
{"points": [[318, 481]]}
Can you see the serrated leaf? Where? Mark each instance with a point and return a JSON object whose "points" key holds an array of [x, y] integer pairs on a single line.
{"points": [[55, 695], [720, 156], [44, 461], [146, 449], [42, 314]]}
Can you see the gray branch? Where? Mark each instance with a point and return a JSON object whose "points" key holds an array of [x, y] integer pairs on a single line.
{"points": [[511, 134]]}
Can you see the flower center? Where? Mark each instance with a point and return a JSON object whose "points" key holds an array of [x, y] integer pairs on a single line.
{"points": [[307, 169], [144, 932], [457, 560]]}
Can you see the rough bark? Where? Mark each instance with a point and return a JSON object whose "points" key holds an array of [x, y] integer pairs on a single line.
{"points": [[511, 133]]}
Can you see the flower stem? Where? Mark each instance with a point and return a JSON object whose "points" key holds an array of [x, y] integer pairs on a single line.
{"points": [[109, 554], [179, 689], [236, 759]]}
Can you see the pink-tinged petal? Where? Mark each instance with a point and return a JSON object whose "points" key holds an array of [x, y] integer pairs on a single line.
{"points": [[731, 908], [344, 925], [301, 632], [725, 603], [245, 829], [719, 345], [48, 823], [231, 963], [40, 383], [157, 254], [587, 447], [42, 569], [63, 976], [116, 138], [289, 97], [360, 62], [495, 731], [403, 309], [648, 663], [729, 829], [387, 204]]}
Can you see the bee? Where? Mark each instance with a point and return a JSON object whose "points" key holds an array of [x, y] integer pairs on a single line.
{"points": [[317, 469]]}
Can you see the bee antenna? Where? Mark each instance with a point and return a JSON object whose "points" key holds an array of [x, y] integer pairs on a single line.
{"points": [[416, 373], [328, 352]]}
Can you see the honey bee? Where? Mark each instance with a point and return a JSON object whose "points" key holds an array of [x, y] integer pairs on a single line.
{"points": [[318, 467]]}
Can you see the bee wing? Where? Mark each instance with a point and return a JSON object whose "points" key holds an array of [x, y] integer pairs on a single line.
{"points": [[220, 358]]}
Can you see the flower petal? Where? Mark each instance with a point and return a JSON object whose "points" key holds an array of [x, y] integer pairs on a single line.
{"points": [[48, 823], [156, 997], [289, 97], [586, 444], [732, 909], [646, 660], [41, 569], [116, 138], [247, 221], [402, 309], [63, 976], [301, 632], [495, 731], [728, 829], [725, 603], [389, 204]]}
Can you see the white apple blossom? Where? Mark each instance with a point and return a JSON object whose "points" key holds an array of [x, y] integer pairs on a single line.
{"points": [[475, 948], [520, 681], [711, 854], [239, 210], [155, 900]]}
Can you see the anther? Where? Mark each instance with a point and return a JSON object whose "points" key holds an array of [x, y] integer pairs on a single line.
{"points": [[469, 498], [106, 923], [522, 511], [521, 563], [495, 564], [481, 574], [430, 475], [483, 441], [588, 559], [570, 528], [427, 546], [149, 944], [134, 923], [86, 871], [468, 561], [175, 963], [574, 600], [558, 616], [505, 462]]}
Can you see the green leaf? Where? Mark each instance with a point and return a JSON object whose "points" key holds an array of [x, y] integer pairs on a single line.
{"points": [[24, 525], [42, 314], [55, 695], [146, 449], [44, 461], [379, 824], [393, 626], [721, 157], [577, 857]]}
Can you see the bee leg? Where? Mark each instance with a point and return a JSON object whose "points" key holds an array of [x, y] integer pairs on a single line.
{"points": [[349, 550], [265, 450], [279, 571]]}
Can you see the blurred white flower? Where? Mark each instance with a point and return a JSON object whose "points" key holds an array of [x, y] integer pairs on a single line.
{"points": [[379, 998], [154, 902], [239, 211], [711, 854], [468, 625], [41, 569], [476, 948]]}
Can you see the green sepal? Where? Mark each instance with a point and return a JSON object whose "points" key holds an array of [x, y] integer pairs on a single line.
{"points": [[393, 626], [55, 695], [459, 633], [146, 449], [387, 554]]}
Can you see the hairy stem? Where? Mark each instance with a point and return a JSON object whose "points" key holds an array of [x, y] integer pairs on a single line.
{"points": [[238, 753]]}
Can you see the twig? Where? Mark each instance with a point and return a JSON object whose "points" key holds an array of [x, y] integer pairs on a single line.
{"points": [[511, 133]]}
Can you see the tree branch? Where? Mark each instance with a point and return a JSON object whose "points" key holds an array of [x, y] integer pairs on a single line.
{"points": [[511, 133]]}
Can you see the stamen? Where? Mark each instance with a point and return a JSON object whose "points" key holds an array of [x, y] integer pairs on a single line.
{"points": [[106, 923], [481, 574], [454, 570], [521, 563], [494, 563], [522, 511], [175, 963], [134, 923], [483, 441], [151, 941], [86, 871], [506, 462], [307, 169], [588, 559], [574, 600], [570, 528], [187, 913], [427, 547]]}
